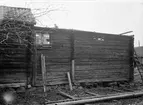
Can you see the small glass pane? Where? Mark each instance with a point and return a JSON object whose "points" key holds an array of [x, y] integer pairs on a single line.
{"points": [[47, 36], [38, 39], [46, 39]]}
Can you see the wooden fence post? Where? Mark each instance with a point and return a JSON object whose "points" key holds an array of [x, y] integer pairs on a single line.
{"points": [[131, 72], [43, 72], [72, 57], [73, 71], [34, 60], [69, 80]]}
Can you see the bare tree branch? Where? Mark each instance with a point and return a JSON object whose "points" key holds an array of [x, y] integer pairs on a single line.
{"points": [[18, 30], [4, 39]]}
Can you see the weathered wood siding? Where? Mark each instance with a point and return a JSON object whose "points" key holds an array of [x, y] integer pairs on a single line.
{"points": [[102, 57], [98, 57], [15, 56], [13, 63], [139, 52], [57, 57]]}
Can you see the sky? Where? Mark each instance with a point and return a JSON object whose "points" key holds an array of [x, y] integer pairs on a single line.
{"points": [[105, 16]]}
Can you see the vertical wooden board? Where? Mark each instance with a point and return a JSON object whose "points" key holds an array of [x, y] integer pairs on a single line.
{"points": [[73, 71], [34, 63], [69, 80], [131, 53], [43, 71]]}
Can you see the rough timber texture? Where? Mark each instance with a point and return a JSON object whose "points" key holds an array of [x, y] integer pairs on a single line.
{"points": [[98, 57], [102, 57], [57, 57], [15, 56], [139, 51], [19, 14]]}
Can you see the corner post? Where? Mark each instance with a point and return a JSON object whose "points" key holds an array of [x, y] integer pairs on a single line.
{"points": [[72, 57], [131, 53]]}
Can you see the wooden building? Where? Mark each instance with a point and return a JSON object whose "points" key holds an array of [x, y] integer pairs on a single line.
{"points": [[16, 44], [98, 57], [139, 52], [87, 56]]}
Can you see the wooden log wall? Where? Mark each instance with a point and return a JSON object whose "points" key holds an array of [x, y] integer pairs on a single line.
{"points": [[57, 58], [15, 56], [98, 57], [102, 57], [13, 63]]}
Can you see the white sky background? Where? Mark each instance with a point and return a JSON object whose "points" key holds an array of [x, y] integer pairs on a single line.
{"points": [[105, 16]]}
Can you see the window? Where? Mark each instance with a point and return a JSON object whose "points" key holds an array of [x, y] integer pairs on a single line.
{"points": [[43, 39], [38, 39], [46, 39]]}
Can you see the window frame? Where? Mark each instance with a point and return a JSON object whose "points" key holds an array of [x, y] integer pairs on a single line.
{"points": [[41, 43]]}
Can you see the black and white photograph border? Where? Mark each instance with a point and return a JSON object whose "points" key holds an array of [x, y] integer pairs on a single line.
{"points": [[71, 52]]}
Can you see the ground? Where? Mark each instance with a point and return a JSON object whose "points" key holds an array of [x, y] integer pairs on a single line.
{"points": [[36, 96]]}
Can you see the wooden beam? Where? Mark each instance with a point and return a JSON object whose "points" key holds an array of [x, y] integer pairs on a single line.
{"points": [[72, 45], [95, 99], [117, 90], [69, 80], [66, 95], [34, 65], [28, 58], [72, 57], [13, 85], [91, 93], [73, 71], [126, 32], [131, 52], [43, 71]]}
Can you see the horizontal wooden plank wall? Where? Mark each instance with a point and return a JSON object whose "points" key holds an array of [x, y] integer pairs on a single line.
{"points": [[101, 57], [13, 63], [98, 57], [15, 59], [57, 58]]}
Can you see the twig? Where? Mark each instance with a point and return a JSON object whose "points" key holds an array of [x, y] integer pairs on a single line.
{"points": [[5, 39]]}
